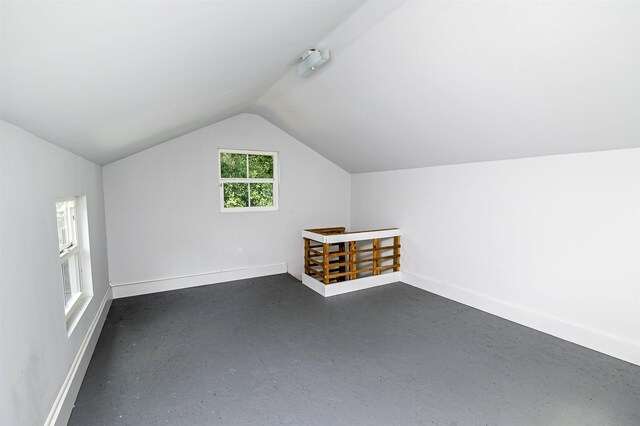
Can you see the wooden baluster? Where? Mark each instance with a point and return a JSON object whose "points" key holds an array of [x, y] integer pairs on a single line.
{"points": [[353, 257], [325, 262], [343, 260], [307, 255], [396, 253], [376, 256]]}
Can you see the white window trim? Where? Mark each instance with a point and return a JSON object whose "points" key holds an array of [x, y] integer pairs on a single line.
{"points": [[73, 306], [275, 181], [67, 252]]}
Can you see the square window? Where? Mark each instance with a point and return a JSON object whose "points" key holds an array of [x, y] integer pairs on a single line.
{"points": [[248, 180]]}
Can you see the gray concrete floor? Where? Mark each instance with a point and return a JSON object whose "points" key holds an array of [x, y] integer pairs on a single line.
{"points": [[270, 351]]}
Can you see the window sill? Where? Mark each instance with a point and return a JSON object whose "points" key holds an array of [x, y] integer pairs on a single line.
{"points": [[248, 209], [76, 313]]}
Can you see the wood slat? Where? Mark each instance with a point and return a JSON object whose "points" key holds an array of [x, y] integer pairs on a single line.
{"points": [[307, 243], [325, 259], [361, 271], [376, 256], [345, 253], [396, 253], [316, 272], [349, 262], [338, 253], [341, 262], [317, 262], [315, 252], [352, 260]]}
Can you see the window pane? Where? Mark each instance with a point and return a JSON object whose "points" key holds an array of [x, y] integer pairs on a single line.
{"points": [[261, 194], [236, 194], [66, 283], [233, 165], [71, 222], [70, 278], [66, 218], [261, 166], [63, 232]]}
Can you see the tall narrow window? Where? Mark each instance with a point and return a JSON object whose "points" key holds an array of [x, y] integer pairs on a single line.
{"points": [[248, 180], [68, 244]]}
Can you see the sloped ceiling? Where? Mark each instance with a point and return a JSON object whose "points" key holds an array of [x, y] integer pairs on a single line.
{"points": [[433, 83], [409, 84], [107, 79]]}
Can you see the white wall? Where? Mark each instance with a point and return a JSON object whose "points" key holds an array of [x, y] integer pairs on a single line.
{"points": [[550, 242], [36, 352], [163, 213]]}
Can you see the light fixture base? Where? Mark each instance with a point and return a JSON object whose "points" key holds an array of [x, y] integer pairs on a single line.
{"points": [[310, 60]]}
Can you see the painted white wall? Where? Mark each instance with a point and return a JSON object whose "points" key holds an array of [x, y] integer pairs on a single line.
{"points": [[35, 349], [163, 213], [550, 242]]}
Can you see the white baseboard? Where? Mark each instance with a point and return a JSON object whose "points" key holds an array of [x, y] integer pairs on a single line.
{"points": [[62, 406], [593, 339], [351, 285], [176, 283]]}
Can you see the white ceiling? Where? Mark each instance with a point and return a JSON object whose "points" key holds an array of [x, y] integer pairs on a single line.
{"points": [[108, 79], [449, 82], [409, 84]]}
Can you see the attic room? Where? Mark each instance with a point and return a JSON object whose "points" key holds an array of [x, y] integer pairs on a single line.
{"points": [[172, 175]]}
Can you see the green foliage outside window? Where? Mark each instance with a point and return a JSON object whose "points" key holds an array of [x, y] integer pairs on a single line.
{"points": [[233, 165], [261, 194], [248, 167], [236, 195], [261, 166]]}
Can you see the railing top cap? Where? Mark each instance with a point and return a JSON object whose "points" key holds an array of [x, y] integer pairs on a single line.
{"points": [[335, 237]]}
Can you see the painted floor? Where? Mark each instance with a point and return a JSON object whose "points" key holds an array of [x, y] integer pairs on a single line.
{"points": [[270, 351]]}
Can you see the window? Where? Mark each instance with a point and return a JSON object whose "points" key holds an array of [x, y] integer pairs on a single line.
{"points": [[68, 245], [248, 180]]}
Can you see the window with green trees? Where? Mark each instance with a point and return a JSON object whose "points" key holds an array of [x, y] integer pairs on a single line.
{"points": [[248, 180]]}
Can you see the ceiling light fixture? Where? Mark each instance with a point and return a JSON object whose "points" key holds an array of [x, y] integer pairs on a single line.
{"points": [[310, 60]]}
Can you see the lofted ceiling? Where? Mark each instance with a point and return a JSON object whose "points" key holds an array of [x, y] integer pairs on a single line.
{"points": [[108, 79], [409, 84], [447, 82]]}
